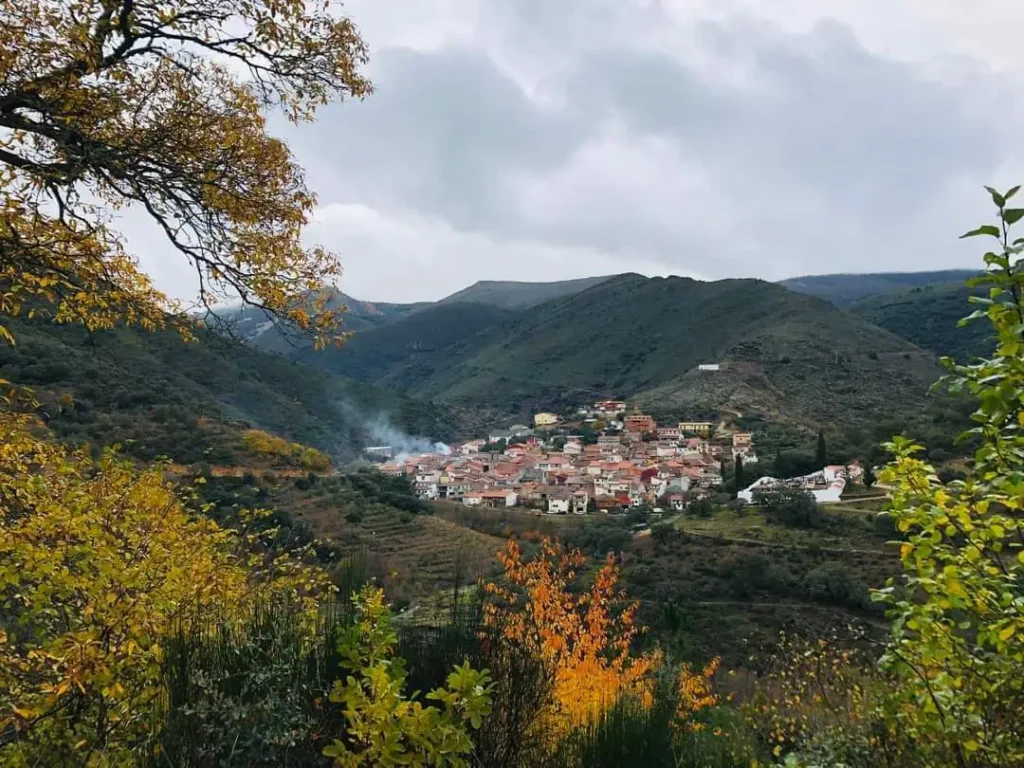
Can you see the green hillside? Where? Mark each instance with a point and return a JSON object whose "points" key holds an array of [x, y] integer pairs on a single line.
{"points": [[844, 290], [792, 357], [417, 347], [160, 396], [928, 317], [256, 327], [519, 295]]}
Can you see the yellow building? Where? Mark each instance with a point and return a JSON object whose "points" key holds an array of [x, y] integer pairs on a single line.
{"points": [[545, 419], [697, 427]]}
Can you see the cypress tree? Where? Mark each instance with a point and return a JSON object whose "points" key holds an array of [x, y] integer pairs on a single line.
{"points": [[822, 458]]}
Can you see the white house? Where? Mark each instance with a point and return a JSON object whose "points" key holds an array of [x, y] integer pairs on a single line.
{"points": [[708, 367], [558, 505], [830, 493]]}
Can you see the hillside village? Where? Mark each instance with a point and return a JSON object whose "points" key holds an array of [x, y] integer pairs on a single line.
{"points": [[621, 461]]}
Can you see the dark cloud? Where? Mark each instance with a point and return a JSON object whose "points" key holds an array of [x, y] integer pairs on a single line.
{"points": [[568, 134]]}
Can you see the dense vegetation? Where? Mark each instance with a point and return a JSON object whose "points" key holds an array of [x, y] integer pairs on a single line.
{"points": [[411, 349], [928, 316], [786, 356], [155, 394]]}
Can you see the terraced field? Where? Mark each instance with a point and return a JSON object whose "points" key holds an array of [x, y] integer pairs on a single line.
{"points": [[414, 554]]}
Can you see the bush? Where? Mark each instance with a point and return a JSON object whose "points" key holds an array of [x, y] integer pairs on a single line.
{"points": [[831, 583], [702, 507], [750, 574], [791, 507], [354, 516]]}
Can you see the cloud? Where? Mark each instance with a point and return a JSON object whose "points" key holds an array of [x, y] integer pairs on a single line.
{"points": [[534, 140], [408, 257]]}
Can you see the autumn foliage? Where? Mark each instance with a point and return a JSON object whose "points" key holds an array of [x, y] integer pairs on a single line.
{"points": [[264, 444], [161, 106], [98, 562], [695, 694], [584, 636]]}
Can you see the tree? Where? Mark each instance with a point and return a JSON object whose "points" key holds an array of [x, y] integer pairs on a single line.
{"points": [[821, 458], [97, 562], [383, 726], [869, 478], [738, 481], [957, 644], [143, 104], [788, 506], [583, 638]]}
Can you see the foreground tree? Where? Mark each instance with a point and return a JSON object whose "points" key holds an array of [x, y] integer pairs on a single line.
{"points": [[158, 105], [384, 727], [957, 642], [97, 562], [583, 637]]}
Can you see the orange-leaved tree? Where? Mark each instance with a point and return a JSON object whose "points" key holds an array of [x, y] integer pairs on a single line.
{"points": [[159, 106], [584, 636]]}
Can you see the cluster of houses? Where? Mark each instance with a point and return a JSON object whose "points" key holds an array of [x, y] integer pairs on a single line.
{"points": [[630, 461]]}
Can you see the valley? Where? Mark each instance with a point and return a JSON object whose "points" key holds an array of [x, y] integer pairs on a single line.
{"points": [[665, 507]]}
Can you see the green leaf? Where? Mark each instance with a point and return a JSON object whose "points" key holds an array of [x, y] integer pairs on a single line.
{"points": [[984, 229], [997, 198], [1011, 192], [1013, 215]]}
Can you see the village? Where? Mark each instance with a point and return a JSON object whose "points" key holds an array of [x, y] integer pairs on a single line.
{"points": [[620, 462]]}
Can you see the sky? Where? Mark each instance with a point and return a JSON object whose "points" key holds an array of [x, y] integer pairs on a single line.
{"points": [[550, 139]]}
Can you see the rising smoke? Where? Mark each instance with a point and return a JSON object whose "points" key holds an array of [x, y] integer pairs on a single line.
{"points": [[379, 431]]}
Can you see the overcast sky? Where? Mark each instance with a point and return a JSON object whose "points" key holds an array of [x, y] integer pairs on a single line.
{"points": [[550, 139]]}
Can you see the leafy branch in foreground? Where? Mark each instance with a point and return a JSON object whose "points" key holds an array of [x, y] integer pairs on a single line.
{"points": [[106, 106], [957, 642], [383, 726]]}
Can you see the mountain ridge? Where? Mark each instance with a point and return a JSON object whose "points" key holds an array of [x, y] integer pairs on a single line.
{"points": [[846, 289], [517, 294], [630, 336]]}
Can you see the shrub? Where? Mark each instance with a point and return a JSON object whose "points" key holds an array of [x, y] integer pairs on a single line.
{"points": [[831, 583], [789, 506], [383, 726], [957, 650], [584, 639]]}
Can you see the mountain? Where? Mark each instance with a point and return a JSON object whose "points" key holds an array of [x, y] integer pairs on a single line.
{"points": [[412, 348], [786, 355], [158, 395], [255, 326], [928, 316], [517, 295], [844, 290]]}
